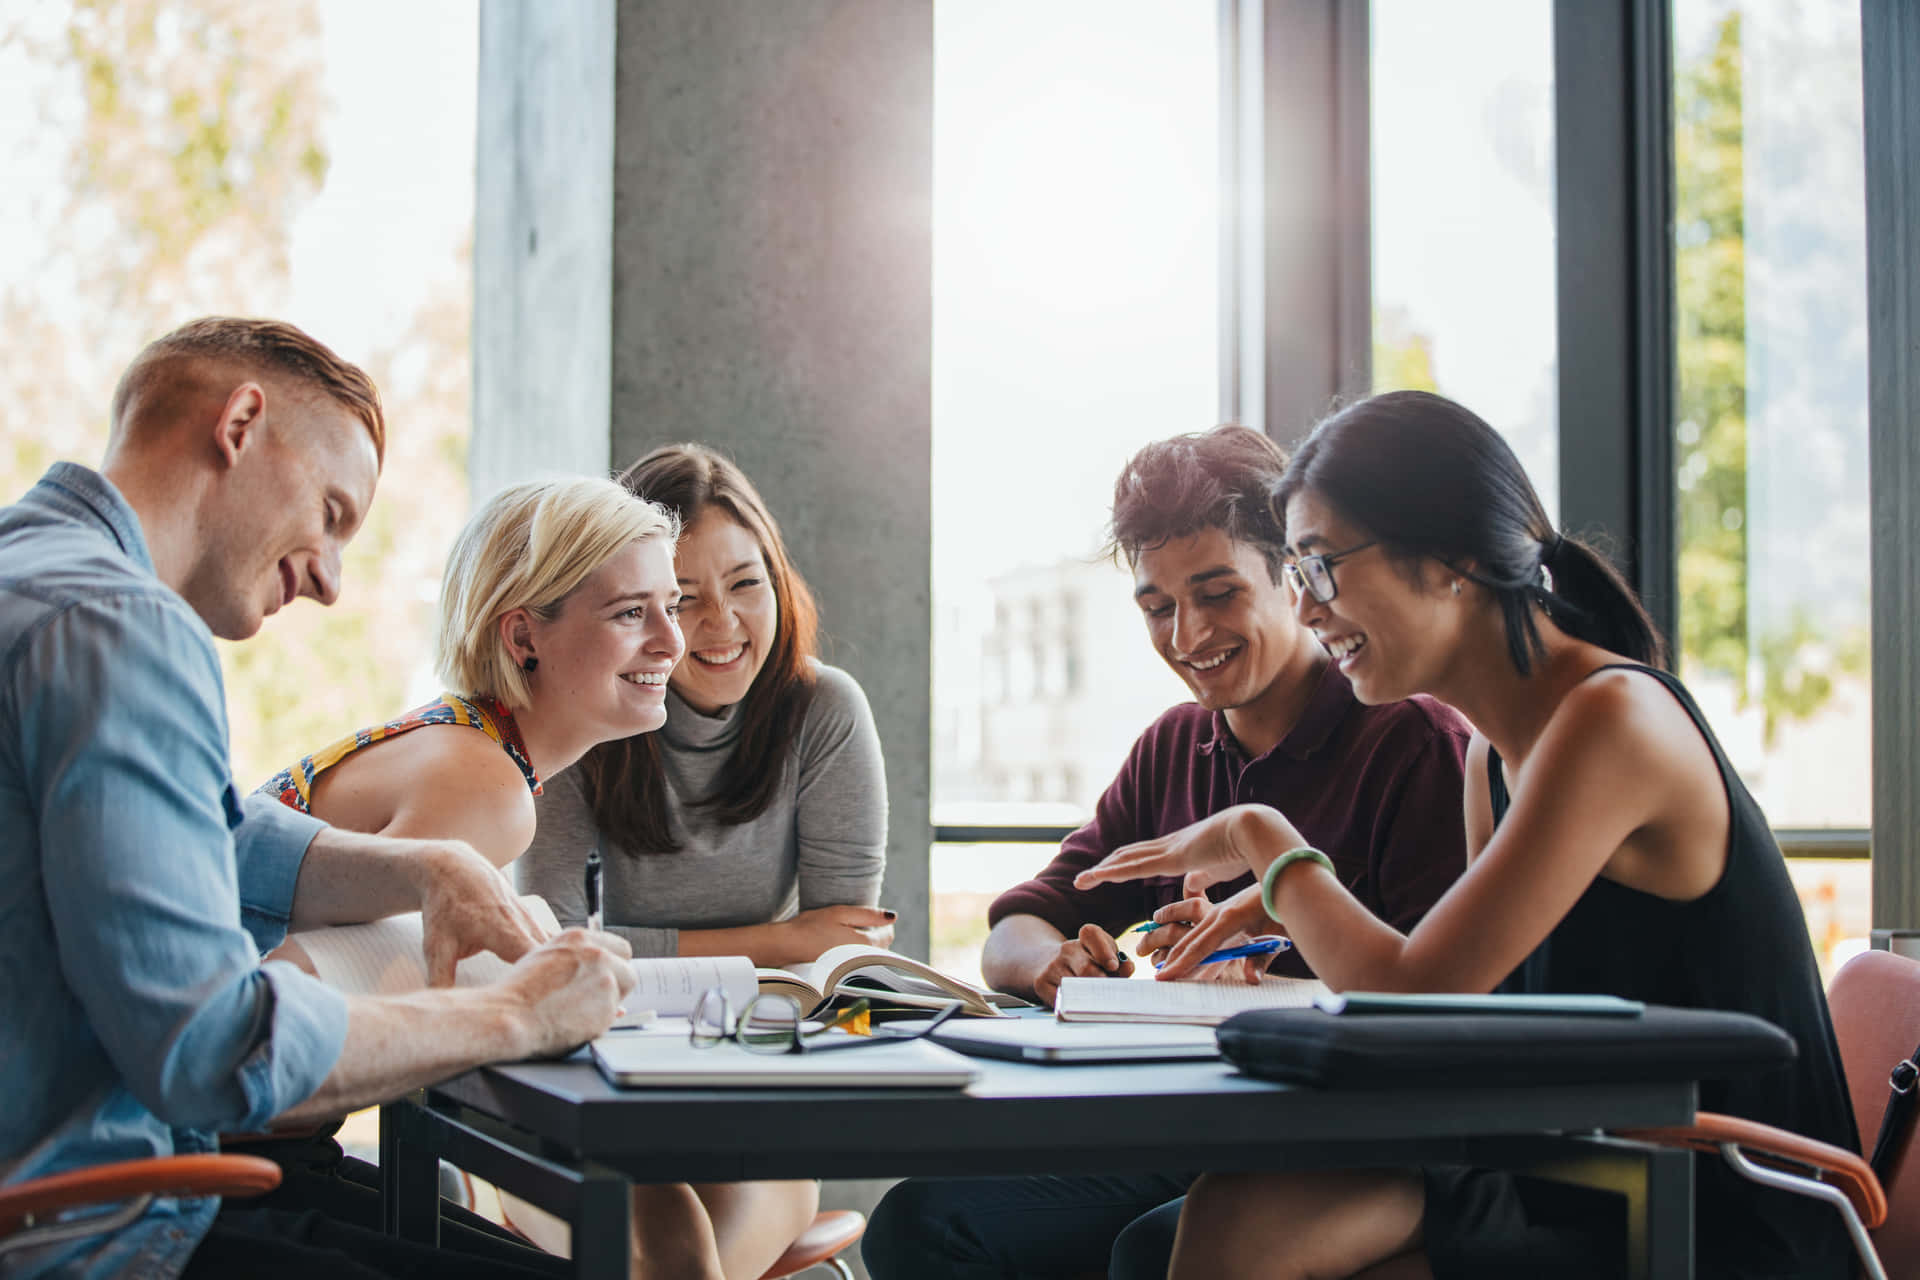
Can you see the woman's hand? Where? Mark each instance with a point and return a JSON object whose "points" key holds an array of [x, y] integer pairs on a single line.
{"points": [[1222, 846], [1214, 926], [808, 934]]}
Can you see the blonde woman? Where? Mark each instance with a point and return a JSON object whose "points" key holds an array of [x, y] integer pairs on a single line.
{"points": [[557, 632]]}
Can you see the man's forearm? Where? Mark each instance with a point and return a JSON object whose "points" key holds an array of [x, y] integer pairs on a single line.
{"points": [[398, 1043], [348, 878], [1016, 950]]}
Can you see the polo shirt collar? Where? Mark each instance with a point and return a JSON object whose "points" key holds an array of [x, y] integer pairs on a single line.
{"points": [[1332, 699]]}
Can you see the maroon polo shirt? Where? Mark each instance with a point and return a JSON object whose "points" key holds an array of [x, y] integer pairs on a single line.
{"points": [[1378, 789]]}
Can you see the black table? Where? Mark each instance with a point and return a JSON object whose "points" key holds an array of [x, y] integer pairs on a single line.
{"points": [[558, 1135]]}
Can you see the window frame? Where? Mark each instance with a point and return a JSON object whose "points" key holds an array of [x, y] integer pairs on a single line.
{"points": [[1614, 176]]}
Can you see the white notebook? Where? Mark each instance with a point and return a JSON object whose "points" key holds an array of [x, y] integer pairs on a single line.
{"points": [[643, 1060], [1197, 1003]]}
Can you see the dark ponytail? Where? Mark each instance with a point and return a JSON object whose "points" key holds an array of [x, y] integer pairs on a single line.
{"points": [[1429, 478], [1591, 601]]}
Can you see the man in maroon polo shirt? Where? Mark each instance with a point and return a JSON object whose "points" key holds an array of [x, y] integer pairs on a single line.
{"points": [[1273, 721]]}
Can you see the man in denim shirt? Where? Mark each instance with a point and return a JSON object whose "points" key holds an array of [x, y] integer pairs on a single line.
{"points": [[138, 891]]}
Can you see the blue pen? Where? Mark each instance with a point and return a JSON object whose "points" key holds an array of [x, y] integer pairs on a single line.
{"points": [[1258, 947], [1148, 927]]}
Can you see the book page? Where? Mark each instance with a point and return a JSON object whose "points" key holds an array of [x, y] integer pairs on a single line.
{"points": [[385, 957], [671, 985], [915, 983], [889, 968], [1131, 1000], [786, 982]]}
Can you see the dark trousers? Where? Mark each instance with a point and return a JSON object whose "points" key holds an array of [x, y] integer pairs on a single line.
{"points": [[323, 1223], [1043, 1228]]}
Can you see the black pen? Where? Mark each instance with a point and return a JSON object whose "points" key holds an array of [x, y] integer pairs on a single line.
{"points": [[593, 886]]}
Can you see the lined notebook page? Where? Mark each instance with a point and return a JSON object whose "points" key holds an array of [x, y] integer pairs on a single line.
{"points": [[1202, 1003]]}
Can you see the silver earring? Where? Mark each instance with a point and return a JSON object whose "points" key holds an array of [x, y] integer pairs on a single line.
{"points": [[1456, 586]]}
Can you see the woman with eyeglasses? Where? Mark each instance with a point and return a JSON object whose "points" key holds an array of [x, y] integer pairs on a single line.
{"points": [[1612, 849], [755, 821]]}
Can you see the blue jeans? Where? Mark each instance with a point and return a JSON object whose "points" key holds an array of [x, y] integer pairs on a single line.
{"points": [[1026, 1228]]}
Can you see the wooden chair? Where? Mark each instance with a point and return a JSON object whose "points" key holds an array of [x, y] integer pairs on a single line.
{"points": [[1875, 1001], [26, 1207]]}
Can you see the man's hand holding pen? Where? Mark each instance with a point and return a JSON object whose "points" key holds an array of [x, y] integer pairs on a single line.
{"points": [[1091, 953]]}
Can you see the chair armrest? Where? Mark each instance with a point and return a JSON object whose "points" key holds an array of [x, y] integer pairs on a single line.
{"points": [[198, 1175], [1842, 1169]]}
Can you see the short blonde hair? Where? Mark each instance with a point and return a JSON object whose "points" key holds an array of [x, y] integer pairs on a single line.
{"points": [[528, 547]]}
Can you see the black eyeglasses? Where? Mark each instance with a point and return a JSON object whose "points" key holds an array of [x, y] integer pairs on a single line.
{"points": [[1314, 574], [773, 1024]]}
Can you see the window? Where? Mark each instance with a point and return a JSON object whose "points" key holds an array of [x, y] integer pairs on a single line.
{"points": [[1463, 215], [1075, 319], [1770, 435], [245, 163]]}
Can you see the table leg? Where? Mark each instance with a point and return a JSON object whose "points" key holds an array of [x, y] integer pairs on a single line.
{"points": [[1655, 1182], [1660, 1218], [409, 1179], [602, 1231]]}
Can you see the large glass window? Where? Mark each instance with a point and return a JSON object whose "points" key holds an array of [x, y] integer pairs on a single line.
{"points": [[1075, 269], [1771, 422], [1463, 225], [166, 161], [172, 161]]}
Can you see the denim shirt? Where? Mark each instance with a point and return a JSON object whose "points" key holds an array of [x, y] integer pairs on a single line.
{"points": [[137, 891]]}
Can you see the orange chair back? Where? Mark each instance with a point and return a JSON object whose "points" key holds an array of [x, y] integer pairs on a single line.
{"points": [[1875, 999]]}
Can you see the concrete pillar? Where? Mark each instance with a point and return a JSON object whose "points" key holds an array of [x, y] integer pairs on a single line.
{"points": [[543, 242], [711, 220]]}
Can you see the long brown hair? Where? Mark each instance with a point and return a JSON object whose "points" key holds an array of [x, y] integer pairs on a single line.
{"points": [[624, 782]]}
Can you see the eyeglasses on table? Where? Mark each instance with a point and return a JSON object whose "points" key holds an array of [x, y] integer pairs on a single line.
{"points": [[773, 1023]]}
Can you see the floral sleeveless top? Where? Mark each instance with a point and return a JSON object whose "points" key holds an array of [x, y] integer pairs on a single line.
{"points": [[294, 787]]}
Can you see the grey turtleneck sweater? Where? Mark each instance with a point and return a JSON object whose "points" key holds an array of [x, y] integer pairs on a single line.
{"points": [[821, 842]]}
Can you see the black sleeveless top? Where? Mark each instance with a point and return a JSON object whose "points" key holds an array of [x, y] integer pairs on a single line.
{"points": [[1741, 946]]}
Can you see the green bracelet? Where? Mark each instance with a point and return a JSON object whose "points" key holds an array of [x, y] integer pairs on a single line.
{"points": [[1280, 864]]}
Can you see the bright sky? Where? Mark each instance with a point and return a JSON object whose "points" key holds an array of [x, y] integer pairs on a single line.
{"points": [[1075, 246], [398, 199], [398, 202]]}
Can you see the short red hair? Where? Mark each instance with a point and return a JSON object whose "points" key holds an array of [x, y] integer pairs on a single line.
{"points": [[269, 347]]}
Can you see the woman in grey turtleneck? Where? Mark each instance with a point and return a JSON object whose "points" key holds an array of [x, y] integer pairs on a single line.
{"points": [[755, 822]]}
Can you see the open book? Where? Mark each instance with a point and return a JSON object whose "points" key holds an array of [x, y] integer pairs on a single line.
{"points": [[1199, 1003], [887, 977], [384, 957]]}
